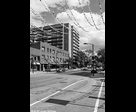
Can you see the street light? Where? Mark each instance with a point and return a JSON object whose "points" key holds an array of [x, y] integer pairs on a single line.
{"points": [[92, 55], [92, 47]]}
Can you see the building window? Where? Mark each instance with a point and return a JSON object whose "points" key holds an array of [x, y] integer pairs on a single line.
{"points": [[57, 52], [43, 56], [53, 58], [47, 49], [47, 57], [38, 58], [43, 48], [60, 59], [53, 51], [35, 58], [57, 59], [60, 53], [50, 50]]}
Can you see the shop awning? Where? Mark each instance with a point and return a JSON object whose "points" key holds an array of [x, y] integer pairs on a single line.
{"points": [[37, 63]]}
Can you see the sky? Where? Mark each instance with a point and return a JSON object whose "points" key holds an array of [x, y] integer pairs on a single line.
{"points": [[55, 11]]}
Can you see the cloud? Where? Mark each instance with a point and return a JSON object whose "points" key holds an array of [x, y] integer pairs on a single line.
{"points": [[75, 3], [94, 36], [37, 6], [40, 8]]}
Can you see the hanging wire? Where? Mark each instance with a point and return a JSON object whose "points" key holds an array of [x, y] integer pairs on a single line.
{"points": [[69, 16], [35, 37], [53, 14], [75, 18], [101, 11], [45, 21], [92, 16], [72, 19], [40, 28], [84, 13]]}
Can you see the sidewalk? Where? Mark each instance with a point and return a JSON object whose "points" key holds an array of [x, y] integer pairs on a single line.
{"points": [[53, 72], [41, 73]]}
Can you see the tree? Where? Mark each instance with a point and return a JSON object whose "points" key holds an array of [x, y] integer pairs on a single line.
{"points": [[101, 57], [70, 62], [81, 59]]}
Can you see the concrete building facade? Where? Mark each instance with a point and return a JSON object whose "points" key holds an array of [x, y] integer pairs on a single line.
{"points": [[66, 39]]}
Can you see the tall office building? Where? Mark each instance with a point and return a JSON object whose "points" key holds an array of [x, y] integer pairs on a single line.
{"points": [[66, 39]]}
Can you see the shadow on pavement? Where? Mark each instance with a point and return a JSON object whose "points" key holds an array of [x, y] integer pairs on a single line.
{"points": [[88, 74]]}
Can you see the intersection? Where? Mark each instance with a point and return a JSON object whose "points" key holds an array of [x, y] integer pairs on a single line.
{"points": [[67, 92]]}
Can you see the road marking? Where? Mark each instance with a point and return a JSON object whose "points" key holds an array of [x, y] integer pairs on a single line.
{"points": [[97, 101], [56, 92]]}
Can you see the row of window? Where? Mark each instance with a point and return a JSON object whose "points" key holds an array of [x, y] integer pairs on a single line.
{"points": [[36, 58], [49, 50], [52, 57]]}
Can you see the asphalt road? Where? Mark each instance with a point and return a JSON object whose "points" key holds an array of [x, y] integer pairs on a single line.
{"points": [[73, 91]]}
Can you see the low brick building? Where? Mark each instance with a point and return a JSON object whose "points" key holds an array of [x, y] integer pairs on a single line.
{"points": [[43, 54]]}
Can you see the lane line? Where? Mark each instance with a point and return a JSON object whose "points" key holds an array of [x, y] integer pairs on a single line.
{"points": [[56, 92], [97, 101]]}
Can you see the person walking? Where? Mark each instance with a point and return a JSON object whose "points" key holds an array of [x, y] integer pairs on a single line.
{"points": [[33, 64]]}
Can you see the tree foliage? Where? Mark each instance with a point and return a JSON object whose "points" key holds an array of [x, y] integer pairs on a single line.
{"points": [[101, 57]]}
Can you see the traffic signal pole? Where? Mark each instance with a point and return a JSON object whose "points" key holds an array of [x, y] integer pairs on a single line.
{"points": [[93, 59]]}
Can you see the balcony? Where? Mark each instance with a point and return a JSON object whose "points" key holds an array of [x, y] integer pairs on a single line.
{"points": [[55, 41]]}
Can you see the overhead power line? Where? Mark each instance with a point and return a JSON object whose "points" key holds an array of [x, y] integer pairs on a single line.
{"points": [[40, 28], [92, 16], [75, 18], [45, 21], [69, 16], [101, 12], [87, 18], [84, 13], [36, 36], [53, 14]]}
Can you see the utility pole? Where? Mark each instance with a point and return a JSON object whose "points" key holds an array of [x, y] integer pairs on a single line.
{"points": [[93, 58]]}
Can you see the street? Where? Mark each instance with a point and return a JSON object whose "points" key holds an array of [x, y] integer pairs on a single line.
{"points": [[72, 91]]}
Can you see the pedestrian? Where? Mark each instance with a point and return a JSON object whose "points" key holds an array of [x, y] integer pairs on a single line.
{"points": [[33, 65]]}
